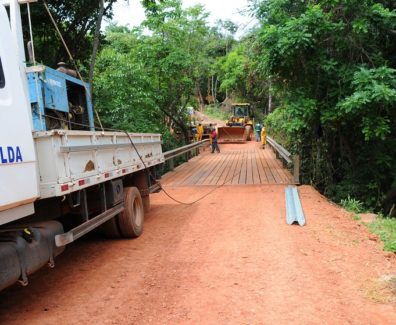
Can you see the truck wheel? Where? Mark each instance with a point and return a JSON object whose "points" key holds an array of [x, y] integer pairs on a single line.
{"points": [[132, 218], [111, 229]]}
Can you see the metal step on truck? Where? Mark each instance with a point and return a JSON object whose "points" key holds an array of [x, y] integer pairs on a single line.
{"points": [[59, 177]]}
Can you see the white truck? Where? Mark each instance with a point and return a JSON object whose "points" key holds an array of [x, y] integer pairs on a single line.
{"points": [[58, 184]]}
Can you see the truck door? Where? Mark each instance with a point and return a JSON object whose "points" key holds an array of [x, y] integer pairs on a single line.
{"points": [[18, 165]]}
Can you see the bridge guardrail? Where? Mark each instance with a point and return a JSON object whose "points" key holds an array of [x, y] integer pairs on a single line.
{"points": [[288, 158], [187, 149]]}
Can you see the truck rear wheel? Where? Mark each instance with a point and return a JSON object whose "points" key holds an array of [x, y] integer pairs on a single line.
{"points": [[131, 220]]}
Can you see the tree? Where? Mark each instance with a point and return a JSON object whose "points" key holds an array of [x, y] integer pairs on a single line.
{"points": [[175, 56], [76, 20], [146, 81], [332, 67]]}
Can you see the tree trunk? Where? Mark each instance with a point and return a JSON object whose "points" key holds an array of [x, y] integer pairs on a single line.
{"points": [[213, 93], [200, 98], [269, 98], [215, 90], [96, 42]]}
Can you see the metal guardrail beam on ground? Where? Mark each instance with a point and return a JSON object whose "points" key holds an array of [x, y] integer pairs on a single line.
{"points": [[294, 211]]}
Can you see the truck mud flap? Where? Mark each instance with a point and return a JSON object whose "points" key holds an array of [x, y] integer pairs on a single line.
{"points": [[24, 250]]}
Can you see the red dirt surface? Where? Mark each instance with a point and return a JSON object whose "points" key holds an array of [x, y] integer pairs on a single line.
{"points": [[229, 259]]}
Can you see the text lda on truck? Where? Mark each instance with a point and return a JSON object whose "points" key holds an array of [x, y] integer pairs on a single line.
{"points": [[9, 155]]}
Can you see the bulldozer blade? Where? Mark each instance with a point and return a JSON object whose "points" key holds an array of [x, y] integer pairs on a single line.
{"points": [[232, 134]]}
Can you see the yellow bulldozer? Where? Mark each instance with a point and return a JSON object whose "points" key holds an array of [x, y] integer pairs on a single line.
{"points": [[239, 127]]}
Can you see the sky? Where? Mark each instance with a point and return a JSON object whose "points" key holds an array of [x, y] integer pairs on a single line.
{"points": [[132, 14]]}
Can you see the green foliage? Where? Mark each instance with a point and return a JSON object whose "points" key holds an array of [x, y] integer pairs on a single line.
{"points": [[373, 98], [352, 205], [385, 228], [232, 70], [144, 82], [76, 21], [275, 124], [356, 217], [329, 66], [215, 112], [124, 94], [332, 69]]}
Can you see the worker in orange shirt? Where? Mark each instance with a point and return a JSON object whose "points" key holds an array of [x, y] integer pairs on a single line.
{"points": [[200, 131]]}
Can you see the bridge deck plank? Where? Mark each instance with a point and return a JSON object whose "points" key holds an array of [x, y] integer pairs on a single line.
{"points": [[237, 164]]}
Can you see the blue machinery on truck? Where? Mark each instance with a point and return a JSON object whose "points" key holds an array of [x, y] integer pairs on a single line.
{"points": [[59, 100]]}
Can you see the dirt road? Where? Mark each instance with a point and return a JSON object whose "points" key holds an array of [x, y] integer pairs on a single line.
{"points": [[229, 259]]}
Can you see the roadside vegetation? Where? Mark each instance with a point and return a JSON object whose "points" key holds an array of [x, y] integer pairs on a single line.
{"points": [[215, 112], [320, 74], [384, 227]]}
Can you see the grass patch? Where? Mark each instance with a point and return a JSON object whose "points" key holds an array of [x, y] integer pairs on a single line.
{"points": [[216, 112], [385, 228], [356, 217], [352, 205]]}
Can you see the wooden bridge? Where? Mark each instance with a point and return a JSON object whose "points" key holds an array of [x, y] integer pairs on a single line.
{"points": [[237, 164]]}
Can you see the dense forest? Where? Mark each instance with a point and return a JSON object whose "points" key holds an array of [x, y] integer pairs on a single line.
{"points": [[320, 74]]}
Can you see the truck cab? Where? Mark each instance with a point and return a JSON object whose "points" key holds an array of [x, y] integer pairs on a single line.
{"points": [[18, 163]]}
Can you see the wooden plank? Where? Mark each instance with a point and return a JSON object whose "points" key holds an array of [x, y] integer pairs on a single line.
{"points": [[278, 165], [249, 168], [216, 175], [263, 176], [226, 175], [206, 168], [237, 172], [234, 171], [250, 165], [272, 166], [267, 169], [242, 176], [256, 175], [184, 171], [219, 161], [224, 170], [283, 172], [195, 168]]}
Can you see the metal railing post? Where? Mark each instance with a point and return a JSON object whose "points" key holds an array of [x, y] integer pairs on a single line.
{"points": [[171, 164], [296, 168]]}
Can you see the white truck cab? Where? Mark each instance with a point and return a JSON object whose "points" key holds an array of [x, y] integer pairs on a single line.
{"points": [[18, 163]]}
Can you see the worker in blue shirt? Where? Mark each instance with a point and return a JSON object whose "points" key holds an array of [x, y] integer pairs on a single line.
{"points": [[258, 128]]}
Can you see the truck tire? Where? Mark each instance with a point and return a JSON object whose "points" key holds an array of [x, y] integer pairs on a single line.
{"points": [[111, 229], [131, 220]]}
